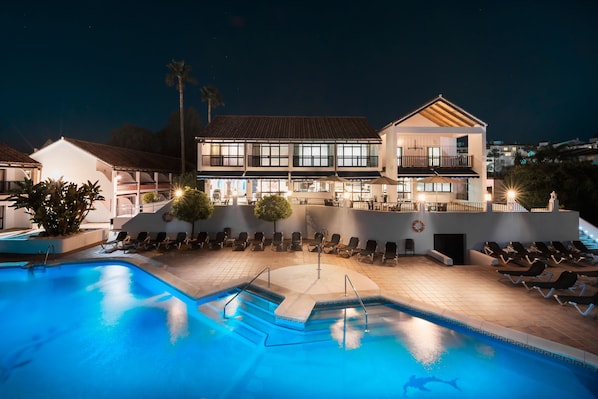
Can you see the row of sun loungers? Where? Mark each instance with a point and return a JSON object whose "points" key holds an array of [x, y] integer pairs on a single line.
{"points": [[202, 240], [537, 278], [539, 251]]}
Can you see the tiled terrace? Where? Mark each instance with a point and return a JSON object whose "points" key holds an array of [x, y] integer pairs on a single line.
{"points": [[471, 293]]}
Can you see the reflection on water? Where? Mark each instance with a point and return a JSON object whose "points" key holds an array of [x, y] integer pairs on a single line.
{"points": [[115, 285], [346, 335]]}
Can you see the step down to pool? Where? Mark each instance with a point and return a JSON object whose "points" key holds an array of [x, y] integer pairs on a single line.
{"points": [[304, 287]]}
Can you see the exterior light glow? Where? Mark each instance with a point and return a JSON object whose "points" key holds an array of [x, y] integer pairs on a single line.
{"points": [[178, 193]]}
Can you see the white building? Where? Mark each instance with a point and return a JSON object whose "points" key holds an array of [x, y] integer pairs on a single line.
{"points": [[15, 166], [124, 175]]}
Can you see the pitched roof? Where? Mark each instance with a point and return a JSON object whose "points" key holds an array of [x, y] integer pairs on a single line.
{"points": [[12, 157], [249, 128], [126, 159], [445, 114]]}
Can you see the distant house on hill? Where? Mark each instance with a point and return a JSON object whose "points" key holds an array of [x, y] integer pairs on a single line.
{"points": [[15, 166], [123, 174]]}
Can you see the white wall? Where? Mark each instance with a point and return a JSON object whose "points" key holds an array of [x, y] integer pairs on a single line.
{"points": [[381, 226], [63, 159]]}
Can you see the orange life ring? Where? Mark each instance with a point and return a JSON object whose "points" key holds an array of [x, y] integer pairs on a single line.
{"points": [[418, 226], [167, 217]]}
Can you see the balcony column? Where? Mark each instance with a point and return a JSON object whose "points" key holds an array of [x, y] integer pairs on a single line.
{"points": [[391, 164], [138, 193]]}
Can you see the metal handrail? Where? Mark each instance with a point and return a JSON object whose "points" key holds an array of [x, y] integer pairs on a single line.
{"points": [[48, 253], [245, 287], [359, 298]]}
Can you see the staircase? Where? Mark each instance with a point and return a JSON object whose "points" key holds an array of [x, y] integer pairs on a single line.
{"points": [[251, 316], [585, 235]]}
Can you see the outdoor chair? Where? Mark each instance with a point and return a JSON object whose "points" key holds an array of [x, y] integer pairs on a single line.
{"points": [[160, 240], [218, 241], [369, 251], [141, 240], [541, 247], [258, 241], [536, 270], [240, 242], [566, 281], [579, 246], [348, 250], [560, 247], [390, 252], [590, 300], [524, 253], [493, 249], [278, 241], [116, 243], [180, 239], [409, 246], [330, 246], [200, 241], [296, 241], [316, 243]]}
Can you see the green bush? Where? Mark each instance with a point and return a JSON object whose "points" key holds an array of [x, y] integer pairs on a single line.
{"points": [[273, 208], [148, 198], [58, 206], [192, 205]]}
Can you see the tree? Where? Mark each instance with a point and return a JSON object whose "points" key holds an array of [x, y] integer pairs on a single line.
{"points": [[192, 205], [494, 154], [58, 206], [272, 208], [212, 95], [169, 136], [179, 74], [574, 182], [134, 137]]}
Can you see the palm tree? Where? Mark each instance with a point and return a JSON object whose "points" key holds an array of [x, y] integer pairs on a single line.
{"points": [[212, 95], [181, 72]]}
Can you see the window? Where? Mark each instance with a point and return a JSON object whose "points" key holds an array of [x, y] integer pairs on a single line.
{"points": [[399, 155], [271, 186], [404, 189], [434, 187], [433, 156], [227, 154], [356, 155], [273, 154], [313, 155]]}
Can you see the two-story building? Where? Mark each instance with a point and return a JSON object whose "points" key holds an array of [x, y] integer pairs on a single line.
{"points": [[15, 166], [245, 157], [438, 152], [249, 156]]}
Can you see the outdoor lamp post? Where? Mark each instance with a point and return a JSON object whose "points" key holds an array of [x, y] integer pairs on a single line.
{"points": [[488, 199], [511, 195]]}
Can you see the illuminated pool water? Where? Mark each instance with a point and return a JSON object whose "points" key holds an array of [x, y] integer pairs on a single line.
{"points": [[113, 331]]}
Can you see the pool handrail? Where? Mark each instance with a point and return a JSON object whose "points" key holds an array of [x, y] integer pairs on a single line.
{"points": [[359, 298], [245, 287]]}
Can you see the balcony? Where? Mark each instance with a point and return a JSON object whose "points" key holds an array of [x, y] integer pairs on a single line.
{"points": [[7, 186], [222, 160], [460, 161]]}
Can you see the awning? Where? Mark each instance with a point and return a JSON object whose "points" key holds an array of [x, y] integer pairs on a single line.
{"points": [[366, 174], [266, 174], [220, 174], [464, 173], [315, 174]]}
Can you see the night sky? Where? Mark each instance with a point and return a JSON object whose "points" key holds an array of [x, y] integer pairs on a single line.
{"points": [[81, 69]]}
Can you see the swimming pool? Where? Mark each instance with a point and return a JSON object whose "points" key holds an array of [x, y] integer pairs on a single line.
{"points": [[114, 331]]}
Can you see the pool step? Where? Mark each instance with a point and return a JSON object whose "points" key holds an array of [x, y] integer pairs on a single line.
{"points": [[252, 317]]}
